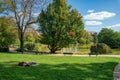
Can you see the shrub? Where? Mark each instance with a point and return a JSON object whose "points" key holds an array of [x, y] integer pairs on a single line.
{"points": [[100, 48], [30, 46], [93, 49], [4, 49], [37, 47]]}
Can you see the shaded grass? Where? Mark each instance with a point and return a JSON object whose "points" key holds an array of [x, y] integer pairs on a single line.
{"points": [[56, 67]]}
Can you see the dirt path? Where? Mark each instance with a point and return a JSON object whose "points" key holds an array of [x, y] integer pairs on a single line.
{"points": [[117, 56]]}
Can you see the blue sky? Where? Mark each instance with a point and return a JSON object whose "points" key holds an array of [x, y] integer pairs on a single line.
{"points": [[98, 14]]}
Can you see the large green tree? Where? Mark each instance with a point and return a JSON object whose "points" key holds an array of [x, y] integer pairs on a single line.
{"points": [[7, 33], [60, 25], [109, 37]]}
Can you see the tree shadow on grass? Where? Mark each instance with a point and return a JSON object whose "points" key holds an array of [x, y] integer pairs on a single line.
{"points": [[92, 71]]}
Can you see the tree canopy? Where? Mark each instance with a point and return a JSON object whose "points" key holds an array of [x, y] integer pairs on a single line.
{"points": [[7, 32], [109, 37]]}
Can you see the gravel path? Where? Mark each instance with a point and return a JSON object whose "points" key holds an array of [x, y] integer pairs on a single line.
{"points": [[117, 56]]}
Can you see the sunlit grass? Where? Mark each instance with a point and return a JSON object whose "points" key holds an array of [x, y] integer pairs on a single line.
{"points": [[56, 67], [116, 51]]}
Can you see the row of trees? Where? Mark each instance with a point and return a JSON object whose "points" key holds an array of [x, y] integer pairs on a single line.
{"points": [[59, 24]]}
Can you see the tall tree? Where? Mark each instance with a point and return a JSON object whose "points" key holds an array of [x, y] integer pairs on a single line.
{"points": [[7, 33], [60, 25], [23, 12]]}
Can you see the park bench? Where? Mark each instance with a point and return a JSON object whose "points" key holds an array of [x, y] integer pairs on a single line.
{"points": [[68, 53]]}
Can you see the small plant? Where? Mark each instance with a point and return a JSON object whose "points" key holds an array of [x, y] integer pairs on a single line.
{"points": [[100, 48], [30, 46], [4, 49]]}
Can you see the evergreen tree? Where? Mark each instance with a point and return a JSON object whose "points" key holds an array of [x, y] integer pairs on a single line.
{"points": [[60, 25]]}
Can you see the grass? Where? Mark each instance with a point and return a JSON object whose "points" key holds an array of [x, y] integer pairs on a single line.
{"points": [[82, 49], [116, 51], [56, 67]]}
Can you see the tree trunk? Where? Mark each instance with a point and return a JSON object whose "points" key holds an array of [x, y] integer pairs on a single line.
{"points": [[22, 43], [52, 51]]}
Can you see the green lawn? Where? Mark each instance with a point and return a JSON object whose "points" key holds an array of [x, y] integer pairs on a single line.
{"points": [[116, 51], [56, 67]]}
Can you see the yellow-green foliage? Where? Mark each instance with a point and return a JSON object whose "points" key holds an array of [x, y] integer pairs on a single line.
{"points": [[7, 32]]}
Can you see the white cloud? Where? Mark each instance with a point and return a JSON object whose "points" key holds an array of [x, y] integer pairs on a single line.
{"points": [[99, 15], [93, 23], [91, 11], [114, 26]]}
